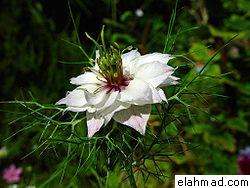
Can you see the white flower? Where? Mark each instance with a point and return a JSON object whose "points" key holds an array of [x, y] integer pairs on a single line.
{"points": [[126, 96], [139, 12]]}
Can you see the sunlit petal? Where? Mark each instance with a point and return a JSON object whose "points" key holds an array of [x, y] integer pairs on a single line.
{"points": [[154, 73], [135, 117], [171, 80], [159, 57], [94, 123], [75, 98], [138, 92], [128, 60]]}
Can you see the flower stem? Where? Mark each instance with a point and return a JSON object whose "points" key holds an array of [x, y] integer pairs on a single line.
{"points": [[131, 175]]}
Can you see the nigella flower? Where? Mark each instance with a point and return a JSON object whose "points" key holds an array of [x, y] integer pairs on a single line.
{"points": [[122, 87], [12, 174], [244, 161]]}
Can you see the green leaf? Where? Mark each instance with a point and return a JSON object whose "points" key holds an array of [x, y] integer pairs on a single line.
{"points": [[244, 5], [238, 124], [179, 159], [224, 141], [172, 130], [222, 33], [198, 129]]}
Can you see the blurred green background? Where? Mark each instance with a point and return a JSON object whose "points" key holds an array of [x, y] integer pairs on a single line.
{"points": [[34, 59]]}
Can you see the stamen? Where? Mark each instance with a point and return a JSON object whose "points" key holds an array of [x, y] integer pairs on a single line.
{"points": [[117, 84], [110, 64]]}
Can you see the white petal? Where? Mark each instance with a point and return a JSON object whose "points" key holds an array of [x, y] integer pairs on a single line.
{"points": [[159, 57], [101, 100], [91, 109], [97, 119], [96, 98], [75, 98], [157, 95], [162, 94], [118, 106], [88, 81], [115, 107], [76, 109], [137, 92], [135, 117], [171, 80], [128, 60], [110, 99], [154, 73], [87, 77], [93, 123]]}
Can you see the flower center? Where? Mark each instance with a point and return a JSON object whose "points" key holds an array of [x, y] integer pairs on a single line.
{"points": [[117, 84], [110, 64]]}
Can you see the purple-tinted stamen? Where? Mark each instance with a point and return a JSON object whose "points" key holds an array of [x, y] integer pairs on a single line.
{"points": [[117, 85]]}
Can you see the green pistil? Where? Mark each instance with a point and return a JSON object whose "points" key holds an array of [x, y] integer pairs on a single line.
{"points": [[110, 64]]}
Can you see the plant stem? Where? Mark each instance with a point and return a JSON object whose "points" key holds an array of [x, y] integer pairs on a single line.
{"points": [[131, 175]]}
